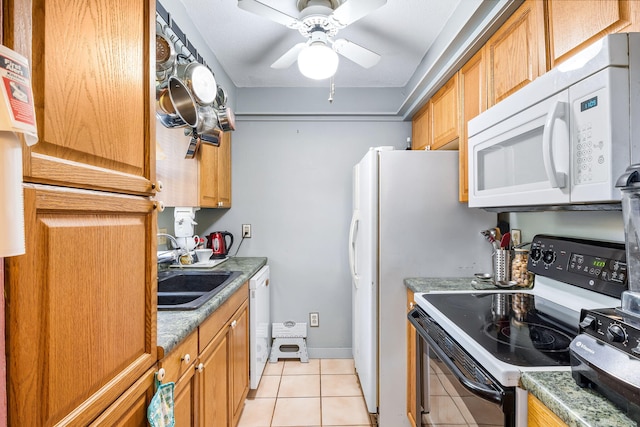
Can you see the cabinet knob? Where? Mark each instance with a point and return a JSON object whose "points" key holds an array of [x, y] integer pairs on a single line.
{"points": [[159, 206], [200, 367], [160, 374], [220, 204], [411, 305], [157, 186], [234, 324], [186, 358]]}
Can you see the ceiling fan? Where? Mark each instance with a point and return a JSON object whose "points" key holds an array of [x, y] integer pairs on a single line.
{"points": [[320, 21]]}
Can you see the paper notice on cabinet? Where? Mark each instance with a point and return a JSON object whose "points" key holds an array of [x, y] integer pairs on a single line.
{"points": [[17, 113], [11, 200]]}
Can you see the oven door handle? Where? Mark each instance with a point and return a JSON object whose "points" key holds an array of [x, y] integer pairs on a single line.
{"points": [[477, 388]]}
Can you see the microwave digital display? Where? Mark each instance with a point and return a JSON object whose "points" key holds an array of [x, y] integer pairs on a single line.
{"points": [[589, 103]]}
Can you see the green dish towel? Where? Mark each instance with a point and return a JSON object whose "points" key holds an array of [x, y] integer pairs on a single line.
{"points": [[160, 410]]}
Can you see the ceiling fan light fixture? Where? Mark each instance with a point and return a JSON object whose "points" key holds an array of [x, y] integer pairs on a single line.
{"points": [[318, 61]]}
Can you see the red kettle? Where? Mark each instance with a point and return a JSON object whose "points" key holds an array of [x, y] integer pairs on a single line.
{"points": [[217, 241]]}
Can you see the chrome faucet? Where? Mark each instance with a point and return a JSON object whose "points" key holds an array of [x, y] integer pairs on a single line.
{"points": [[170, 255]]}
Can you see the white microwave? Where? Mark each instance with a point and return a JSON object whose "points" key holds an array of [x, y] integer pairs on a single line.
{"points": [[566, 137]]}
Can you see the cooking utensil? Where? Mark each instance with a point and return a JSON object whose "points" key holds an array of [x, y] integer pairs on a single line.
{"points": [[501, 261], [227, 119], [483, 276], [183, 101], [505, 241], [199, 80], [221, 98], [165, 53]]}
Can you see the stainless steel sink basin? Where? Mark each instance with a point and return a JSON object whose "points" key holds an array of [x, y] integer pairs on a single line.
{"points": [[188, 290]]}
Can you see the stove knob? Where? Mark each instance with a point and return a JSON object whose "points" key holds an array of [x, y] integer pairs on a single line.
{"points": [[615, 333], [589, 322], [548, 257], [535, 254]]}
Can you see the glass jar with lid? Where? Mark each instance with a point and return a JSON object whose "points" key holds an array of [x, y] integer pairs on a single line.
{"points": [[519, 273]]}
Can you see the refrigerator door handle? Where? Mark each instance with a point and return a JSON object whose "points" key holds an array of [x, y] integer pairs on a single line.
{"points": [[353, 236]]}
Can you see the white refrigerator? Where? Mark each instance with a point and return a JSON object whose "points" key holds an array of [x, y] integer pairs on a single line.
{"points": [[407, 222]]}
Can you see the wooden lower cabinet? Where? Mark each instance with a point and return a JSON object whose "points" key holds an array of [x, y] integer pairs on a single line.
{"points": [[541, 416], [213, 379], [185, 396], [411, 365]]}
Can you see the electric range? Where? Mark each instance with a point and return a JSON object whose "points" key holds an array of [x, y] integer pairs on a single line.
{"points": [[488, 338]]}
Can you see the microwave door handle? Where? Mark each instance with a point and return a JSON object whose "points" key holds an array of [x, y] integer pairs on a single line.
{"points": [[557, 111], [353, 231]]}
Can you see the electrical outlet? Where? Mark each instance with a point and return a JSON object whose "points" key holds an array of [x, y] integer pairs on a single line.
{"points": [[162, 240], [246, 231], [314, 319]]}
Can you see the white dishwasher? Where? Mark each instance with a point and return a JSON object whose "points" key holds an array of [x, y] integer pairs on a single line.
{"points": [[259, 325]]}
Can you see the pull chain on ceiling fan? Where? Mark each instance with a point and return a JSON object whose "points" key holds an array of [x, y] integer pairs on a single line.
{"points": [[319, 22]]}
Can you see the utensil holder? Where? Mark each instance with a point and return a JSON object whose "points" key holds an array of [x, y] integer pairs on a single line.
{"points": [[501, 261]]}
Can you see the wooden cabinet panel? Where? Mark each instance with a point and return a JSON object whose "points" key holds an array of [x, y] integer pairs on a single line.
{"points": [[445, 116], [213, 382], [515, 54], [92, 86], [575, 24], [86, 284], [130, 410], [215, 174], [239, 351], [474, 101], [420, 129], [185, 398], [179, 176], [411, 365], [540, 416]]}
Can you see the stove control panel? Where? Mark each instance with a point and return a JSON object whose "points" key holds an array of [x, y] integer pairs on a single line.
{"points": [[595, 265], [614, 328]]}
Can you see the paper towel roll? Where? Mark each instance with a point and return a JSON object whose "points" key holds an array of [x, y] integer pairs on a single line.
{"points": [[11, 199]]}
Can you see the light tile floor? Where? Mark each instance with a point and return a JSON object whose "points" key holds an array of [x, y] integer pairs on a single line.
{"points": [[323, 392]]}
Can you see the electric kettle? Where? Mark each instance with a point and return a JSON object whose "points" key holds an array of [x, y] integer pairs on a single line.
{"points": [[217, 241]]}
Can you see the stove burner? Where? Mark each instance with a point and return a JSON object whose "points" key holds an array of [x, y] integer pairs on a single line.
{"points": [[525, 335]]}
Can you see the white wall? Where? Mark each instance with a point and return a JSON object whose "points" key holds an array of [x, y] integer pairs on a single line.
{"points": [[292, 183]]}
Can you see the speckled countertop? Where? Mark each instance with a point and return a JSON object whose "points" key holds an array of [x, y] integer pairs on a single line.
{"points": [[174, 326], [576, 406]]}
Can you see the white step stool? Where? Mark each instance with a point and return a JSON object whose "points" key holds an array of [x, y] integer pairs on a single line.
{"points": [[292, 335]]}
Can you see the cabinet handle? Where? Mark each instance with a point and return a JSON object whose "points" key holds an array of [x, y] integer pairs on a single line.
{"points": [[186, 358], [234, 324], [160, 374], [200, 367], [219, 203], [159, 206], [411, 305]]}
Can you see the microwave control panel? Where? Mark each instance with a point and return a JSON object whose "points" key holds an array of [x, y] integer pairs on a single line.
{"points": [[590, 264]]}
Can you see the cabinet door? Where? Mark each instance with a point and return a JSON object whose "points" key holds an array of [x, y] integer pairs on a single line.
{"points": [[81, 304], [474, 101], [575, 24], [185, 398], [239, 357], [445, 116], [515, 54], [421, 131], [213, 383], [540, 416], [130, 410], [215, 174], [411, 365], [93, 91]]}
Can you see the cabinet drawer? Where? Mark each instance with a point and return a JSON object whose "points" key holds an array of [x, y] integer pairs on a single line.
{"points": [[180, 359], [214, 323]]}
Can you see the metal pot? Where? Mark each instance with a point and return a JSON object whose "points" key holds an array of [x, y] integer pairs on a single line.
{"points": [[183, 101], [199, 80], [207, 120], [165, 53], [227, 119], [221, 98]]}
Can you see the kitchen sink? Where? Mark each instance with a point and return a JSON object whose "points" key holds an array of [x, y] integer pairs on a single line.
{"points": [[188, 290]]}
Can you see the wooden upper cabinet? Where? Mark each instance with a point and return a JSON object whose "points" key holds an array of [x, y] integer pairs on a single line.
{"points": [[515, 54], [81, 305], [444, 116], [215, 174], [575, 24], [93, 91], [473, 93], [420, 130]]}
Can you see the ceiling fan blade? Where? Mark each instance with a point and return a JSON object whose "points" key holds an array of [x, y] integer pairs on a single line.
{"points": [[290, 56], [352, 10], [356, 53], [268, 12]]}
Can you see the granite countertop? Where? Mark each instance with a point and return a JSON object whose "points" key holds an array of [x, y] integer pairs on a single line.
{"points": [[556, 389], [176, 325]]}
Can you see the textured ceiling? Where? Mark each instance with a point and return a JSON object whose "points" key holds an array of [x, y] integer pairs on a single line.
{"points": [[246, 45]]}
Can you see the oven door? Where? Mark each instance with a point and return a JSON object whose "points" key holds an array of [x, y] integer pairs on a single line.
{"points": [[451, 387]]}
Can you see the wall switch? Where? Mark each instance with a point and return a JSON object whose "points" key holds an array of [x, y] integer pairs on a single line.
{"points": [[246, 231], [314, 320]]}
